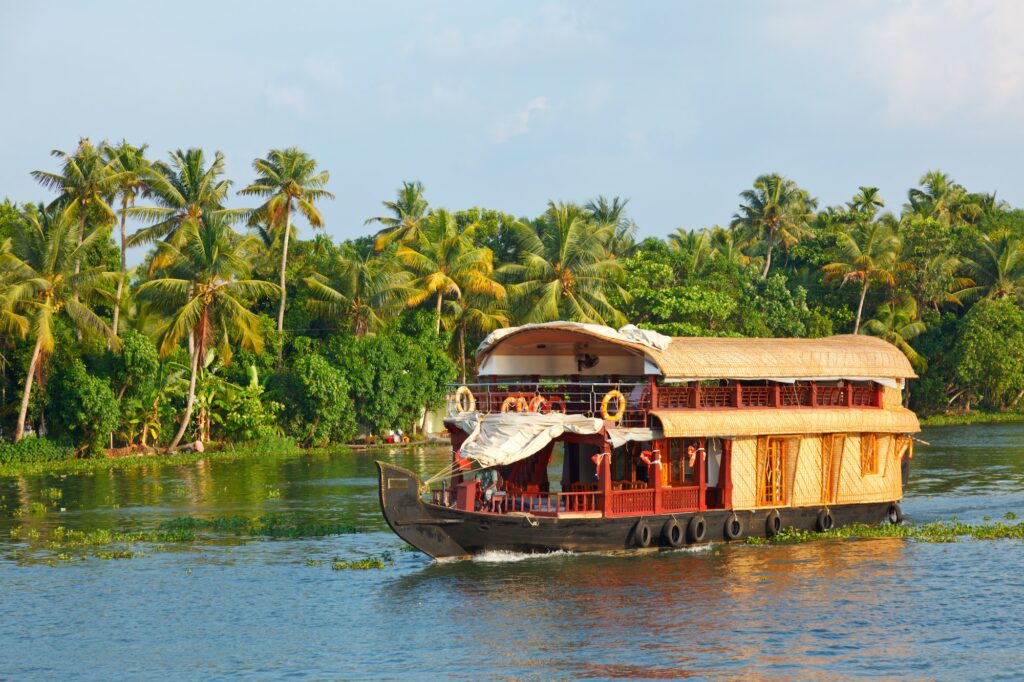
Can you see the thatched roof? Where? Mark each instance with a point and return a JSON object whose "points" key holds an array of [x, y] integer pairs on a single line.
{"points": [[847, 356], [770, 421]]}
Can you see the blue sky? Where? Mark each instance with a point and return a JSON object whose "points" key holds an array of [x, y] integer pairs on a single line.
{"points": [[504, 105]]}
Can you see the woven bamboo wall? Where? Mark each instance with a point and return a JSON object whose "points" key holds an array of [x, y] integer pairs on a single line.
{"points": [[805, 483]]}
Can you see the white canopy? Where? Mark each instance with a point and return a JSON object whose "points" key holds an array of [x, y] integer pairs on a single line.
{"points": [[507, 437], [629, 334]]}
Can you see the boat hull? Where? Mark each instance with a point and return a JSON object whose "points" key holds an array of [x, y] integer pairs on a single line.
{"points": [[445, 533]]}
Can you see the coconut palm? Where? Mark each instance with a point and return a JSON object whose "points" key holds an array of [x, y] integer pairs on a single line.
{"points": [[362, 290], [446, 262], [184, 190], [289, 179], [87, 181], [775, 212], [943, 199], [897, 323], [726, 244], [936, 282], [43, 269], [131, 166], [475, 314], [866, 202], [997, 269], [603, 211], [867, 253], [406, 216], [564, 270], [696, 244], [206, 295]]}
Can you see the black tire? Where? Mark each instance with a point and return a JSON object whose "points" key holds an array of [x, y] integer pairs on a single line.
{"points": [[672, 533], [773, 524], [825, 521], [895, 514], [642, 535], [733, 528], [698, 529]]}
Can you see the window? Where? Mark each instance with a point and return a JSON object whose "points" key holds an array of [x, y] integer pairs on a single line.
{"points": [[831, 457], [773, 484], [868, 454], [678, 470]]}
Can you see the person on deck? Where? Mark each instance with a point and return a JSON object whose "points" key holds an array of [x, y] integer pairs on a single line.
{"points": [[489, 482]]}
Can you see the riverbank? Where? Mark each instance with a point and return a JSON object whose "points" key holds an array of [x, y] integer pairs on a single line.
{"points": [[971, 418]]}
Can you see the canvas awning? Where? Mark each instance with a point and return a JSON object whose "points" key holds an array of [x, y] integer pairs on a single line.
{"points": [[507, 437], [769, 422]]}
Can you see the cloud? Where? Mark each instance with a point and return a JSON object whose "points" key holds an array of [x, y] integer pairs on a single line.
{"points": [[291, 99], [555, 31], [955, 60], [516, 123]]}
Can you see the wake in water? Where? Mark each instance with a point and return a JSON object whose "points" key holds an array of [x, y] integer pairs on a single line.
{"points": [[500, 556]]}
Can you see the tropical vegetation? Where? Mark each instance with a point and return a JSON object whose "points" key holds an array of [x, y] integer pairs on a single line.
{"points": [[146, 303]]}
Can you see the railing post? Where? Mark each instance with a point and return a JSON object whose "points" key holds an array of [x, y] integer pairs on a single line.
{"points": [[776, 394], [849, 393], [879, 394], [702, 478], [814, 394], [696, 395], [606, 481], [726, 471], [654, 475], [737, 395]]}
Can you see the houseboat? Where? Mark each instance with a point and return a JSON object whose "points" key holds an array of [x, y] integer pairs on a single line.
{"points": [[585, 438]]}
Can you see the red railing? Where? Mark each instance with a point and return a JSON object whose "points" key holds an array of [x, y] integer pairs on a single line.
{"points": [[830, 396], [717, 396], [675, 397], [547, 503], [757, 396], [680, 499], [629, 502], [863, 396], [794, 395]]}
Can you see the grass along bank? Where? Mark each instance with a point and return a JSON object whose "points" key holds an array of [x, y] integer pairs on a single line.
{"points": [[938, 531], [971, 418]]}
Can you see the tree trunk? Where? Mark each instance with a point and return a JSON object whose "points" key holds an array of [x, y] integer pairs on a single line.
{"points": [[120, 281], [284, 289], [19, 432], [462, 351], [768, 257], [190, 403], [440, 297], [860, 306]]}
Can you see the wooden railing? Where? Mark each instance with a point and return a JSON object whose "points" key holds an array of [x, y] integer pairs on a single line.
{"points": [[680, 499], [630, 502]]}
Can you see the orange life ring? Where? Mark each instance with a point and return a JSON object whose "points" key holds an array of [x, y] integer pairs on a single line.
{"points": [[645, 457], [538, 402], [465, 401], [518, 402], [556, 400], [619, 412]]}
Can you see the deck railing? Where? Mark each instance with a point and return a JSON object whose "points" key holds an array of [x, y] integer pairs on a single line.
{"points": [[629, 502], [680, 499]]}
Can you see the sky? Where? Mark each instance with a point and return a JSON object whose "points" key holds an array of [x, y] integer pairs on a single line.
{"points": [[675, 106]]}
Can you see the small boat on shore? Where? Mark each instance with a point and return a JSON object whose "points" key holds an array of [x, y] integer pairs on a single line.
{"points": [[659, 442]]}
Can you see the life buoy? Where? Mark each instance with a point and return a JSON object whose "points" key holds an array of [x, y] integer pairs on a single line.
{"points": [[465, 401], [405, 439], [697, 529], [825, 522], [642, 534], [518, 402], [733, 528], [672, 533], [538, 402], [620, 410], [645, 457], [773, 524]]}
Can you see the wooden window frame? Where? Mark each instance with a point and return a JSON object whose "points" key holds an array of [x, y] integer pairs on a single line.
{"points": [[773, 495], [868, 454]]}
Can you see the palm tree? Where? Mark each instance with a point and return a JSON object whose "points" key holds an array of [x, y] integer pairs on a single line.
{"points": [[87, 182], [603, 211], [897, 323], [184, 190], [206, 296], [44, 268], [867, 253], [446, 262], [131, 166], [727, 245], [936, 281], [564, 270], [997, 269], [289, 179], [775, 211], [473, 313], [363, 289], [696, 244], [943, 199], [866, 202], [406, 216]]}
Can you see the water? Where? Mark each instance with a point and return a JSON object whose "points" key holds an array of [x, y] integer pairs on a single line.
{"points": [[254, 609]]}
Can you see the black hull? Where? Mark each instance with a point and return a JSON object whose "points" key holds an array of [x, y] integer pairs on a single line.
{"points": [[444, 533]]}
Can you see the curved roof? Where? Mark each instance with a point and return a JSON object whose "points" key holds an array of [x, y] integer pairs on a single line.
{"points": [[847, 356], [771, 422]]}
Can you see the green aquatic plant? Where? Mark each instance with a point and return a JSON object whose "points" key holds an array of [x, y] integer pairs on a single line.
{"points": [[280, 525], [364, 564], [936, 532]]}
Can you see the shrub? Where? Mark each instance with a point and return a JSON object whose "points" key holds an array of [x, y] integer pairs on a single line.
{"points": [[34, 450]]}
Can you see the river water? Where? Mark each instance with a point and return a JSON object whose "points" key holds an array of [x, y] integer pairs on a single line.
{"points": [[261, 608]]}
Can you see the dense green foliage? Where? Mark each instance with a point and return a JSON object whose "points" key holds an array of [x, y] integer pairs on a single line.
{"points": [[236, 327]]}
